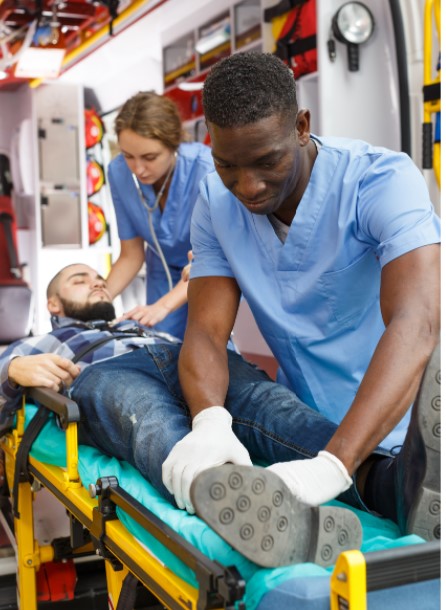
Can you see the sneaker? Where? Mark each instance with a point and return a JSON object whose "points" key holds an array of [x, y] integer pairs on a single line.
{"points": [[255, 512]]}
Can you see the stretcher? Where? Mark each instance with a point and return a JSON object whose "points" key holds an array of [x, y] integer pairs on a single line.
{"points": [[116, 515]]}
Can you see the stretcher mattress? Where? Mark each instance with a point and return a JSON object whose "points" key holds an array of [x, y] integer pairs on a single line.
{"points": [[299, 587]]}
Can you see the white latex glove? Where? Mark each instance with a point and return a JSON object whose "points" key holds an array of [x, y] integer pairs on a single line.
{"points": [[210, 443], [314, 481]]}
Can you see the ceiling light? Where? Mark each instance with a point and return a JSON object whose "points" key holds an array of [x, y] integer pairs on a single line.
{"points": [[352, 24], [40, 63]]}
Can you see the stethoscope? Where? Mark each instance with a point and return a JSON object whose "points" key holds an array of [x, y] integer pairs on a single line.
{"points": [[150, 209]]}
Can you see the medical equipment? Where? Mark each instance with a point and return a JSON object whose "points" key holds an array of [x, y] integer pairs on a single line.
{"points": [[150, 209], [353, 25]]}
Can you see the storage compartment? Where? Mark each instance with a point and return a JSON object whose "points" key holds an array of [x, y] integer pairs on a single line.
{"points": [[61, 220], [248, 23], [58, 152]]}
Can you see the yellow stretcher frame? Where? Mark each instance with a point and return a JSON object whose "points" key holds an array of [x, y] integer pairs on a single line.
{"points": [[357, 574], [121, 551], [219, 587]]}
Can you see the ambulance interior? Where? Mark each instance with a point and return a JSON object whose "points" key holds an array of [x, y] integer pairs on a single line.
{"points": [[57, 139]]}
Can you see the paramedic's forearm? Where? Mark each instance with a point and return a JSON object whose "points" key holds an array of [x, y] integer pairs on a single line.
{"points": [[203, 364], [388, 389], [127, 265], [410, 304], [203, 385], [175, 298]]}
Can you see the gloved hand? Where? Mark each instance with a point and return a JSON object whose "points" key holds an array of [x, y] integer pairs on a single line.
{"points": [[314, 481], [210, 443]]}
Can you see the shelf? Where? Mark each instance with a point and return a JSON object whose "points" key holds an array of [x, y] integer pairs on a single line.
{"points": [[188, 59], [247, 23]]}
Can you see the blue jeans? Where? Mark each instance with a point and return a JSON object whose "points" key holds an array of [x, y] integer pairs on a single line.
{"points": [[133, 409]]}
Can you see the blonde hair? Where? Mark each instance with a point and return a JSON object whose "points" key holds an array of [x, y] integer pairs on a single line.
{"points": [[152, 116]]}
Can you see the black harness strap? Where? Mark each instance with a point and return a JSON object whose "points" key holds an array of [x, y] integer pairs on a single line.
{"points": [[280, 9], [127, 597], [432, 92], [21, 473], [92, 346], [286, 50]]}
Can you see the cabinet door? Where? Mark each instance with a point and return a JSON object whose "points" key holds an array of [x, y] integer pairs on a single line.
{"points": [[61, 222], [59, 152]]}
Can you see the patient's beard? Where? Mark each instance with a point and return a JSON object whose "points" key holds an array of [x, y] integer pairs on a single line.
{"points": [[102, 310]]}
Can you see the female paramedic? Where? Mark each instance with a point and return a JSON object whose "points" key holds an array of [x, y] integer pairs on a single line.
{"points": [[154, 183]]}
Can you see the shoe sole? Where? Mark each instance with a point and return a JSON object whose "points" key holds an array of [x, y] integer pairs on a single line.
{"points": [[424, 515], [254, 511]]}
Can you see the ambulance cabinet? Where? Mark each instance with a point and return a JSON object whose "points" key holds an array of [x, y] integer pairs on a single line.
{"points": [[54, 230]]}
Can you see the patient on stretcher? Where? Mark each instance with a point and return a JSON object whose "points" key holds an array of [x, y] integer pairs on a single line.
{"points": [[125, 381]]}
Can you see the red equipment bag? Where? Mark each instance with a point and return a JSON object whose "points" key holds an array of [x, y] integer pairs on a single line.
{"points": [[294, 25], [15, 294], [97, 224], [95, 177], [94, 128]]}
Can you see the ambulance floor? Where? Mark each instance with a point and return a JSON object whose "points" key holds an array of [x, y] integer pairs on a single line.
{"points": [[90, 592]]}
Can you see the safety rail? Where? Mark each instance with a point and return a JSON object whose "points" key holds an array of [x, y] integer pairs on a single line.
{"points": [[356, 574], [219, 586]]}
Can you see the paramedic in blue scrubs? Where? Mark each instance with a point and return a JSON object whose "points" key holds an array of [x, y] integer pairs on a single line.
{"points": [[334, 245], [154, 185]]}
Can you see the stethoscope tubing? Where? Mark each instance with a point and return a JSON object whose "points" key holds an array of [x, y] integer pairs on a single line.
{"points": [[150, 209]]}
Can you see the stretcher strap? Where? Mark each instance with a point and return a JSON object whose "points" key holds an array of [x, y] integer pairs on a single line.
{"points": [[92, 346], [432, 92], [280, 9], [127, 598], [286, 49], [21, 473]]}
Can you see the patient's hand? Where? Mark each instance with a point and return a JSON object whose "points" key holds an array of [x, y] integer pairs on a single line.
{"points": [[42, 370]]}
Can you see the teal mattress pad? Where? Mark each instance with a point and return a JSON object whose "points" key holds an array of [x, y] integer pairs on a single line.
{"points": [[298, 587]]}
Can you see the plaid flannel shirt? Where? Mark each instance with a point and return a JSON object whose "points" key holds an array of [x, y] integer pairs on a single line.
{"points": [[67, 338]]}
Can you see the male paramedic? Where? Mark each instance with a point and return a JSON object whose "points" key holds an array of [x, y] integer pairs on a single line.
{"points": [[125, 379], [334, 245]]}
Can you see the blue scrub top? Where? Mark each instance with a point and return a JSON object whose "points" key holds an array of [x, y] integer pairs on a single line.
{"points": [[172, 226], [316, 297]]}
